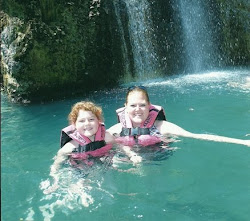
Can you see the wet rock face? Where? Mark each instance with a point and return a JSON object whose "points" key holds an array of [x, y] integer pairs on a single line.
{"points": [[53, 50], [11, 39], [235, 27]]}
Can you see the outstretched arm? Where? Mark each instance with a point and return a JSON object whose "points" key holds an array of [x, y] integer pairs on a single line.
{"points": [[168, 128]]}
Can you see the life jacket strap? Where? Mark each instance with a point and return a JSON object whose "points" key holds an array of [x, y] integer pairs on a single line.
{"points": [[134, 131], [90, 146]]}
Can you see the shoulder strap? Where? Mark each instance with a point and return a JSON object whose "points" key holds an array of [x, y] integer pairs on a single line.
{"points": [[155, 113], [100, 134], [123, 118], [70, 133]]}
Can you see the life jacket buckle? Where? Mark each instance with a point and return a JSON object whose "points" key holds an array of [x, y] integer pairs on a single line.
{"points": [[135, 131]]}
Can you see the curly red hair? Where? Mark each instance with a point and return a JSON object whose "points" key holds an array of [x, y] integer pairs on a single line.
{"points": [[86, 106]]}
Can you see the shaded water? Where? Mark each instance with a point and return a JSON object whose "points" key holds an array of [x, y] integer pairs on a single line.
{"points": [[202, 180]]}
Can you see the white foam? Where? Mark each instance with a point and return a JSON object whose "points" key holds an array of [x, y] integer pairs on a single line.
{"points": [[213, 77], [30, 215]]}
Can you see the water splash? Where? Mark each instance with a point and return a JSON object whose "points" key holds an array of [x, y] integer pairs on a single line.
{"points": [[141, 34], [201, 53], [75, 191], [204, 80]]}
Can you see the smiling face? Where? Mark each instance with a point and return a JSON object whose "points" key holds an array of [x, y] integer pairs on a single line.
{"points": [[87, 124], [137, 107]]}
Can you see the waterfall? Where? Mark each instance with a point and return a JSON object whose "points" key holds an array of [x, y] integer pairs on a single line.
{"points": [[196, 30], [201, 53], [141, 37], [124, 46]]}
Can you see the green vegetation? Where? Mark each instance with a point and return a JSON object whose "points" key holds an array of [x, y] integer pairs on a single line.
{"points": [[67, 51]]}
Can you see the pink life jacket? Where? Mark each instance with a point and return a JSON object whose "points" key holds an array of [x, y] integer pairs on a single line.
{"points": [[86, 147], [130, 136]]}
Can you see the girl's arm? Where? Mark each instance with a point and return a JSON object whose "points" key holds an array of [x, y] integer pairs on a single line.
{"points": [[62, 155]]}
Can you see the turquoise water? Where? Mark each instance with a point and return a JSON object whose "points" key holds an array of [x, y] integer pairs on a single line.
{"points": [[202, 180]]}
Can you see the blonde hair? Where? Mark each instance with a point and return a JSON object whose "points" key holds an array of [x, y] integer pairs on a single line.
{"points": [[86, 106]]}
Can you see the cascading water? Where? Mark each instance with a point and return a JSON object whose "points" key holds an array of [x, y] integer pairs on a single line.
{"points": [[141, 36], [198, 34], [201, 52], [124, 46]]}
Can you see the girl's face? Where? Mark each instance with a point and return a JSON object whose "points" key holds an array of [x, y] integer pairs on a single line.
{"points": [[87, 124], [137, 108]]}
